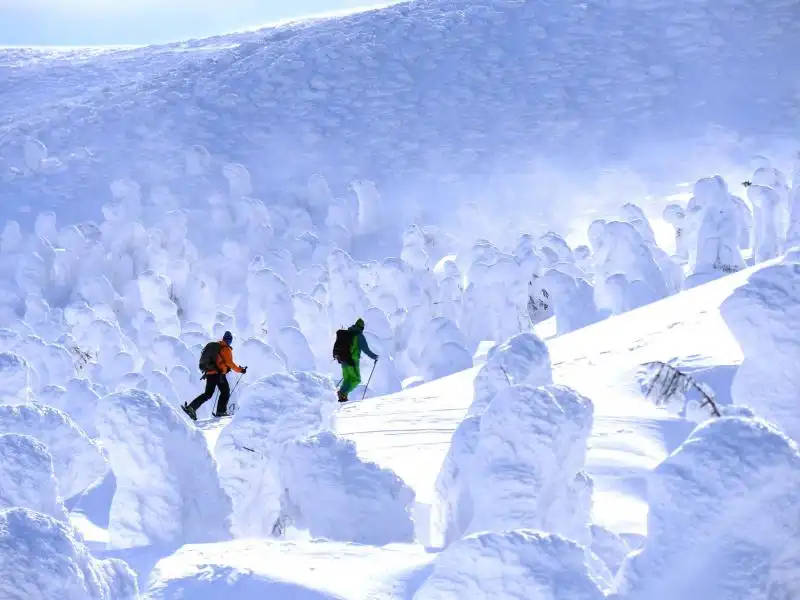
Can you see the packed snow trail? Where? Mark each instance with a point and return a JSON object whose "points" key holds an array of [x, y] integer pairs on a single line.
{"points": [[409, 432]]}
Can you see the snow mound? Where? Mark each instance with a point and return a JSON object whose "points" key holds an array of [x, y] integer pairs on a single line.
{"points": [[722, 520], [527, 467], [27, 478], [759, 314], [335, 495], [77, 460], [168, 490], [513, 565], [42, 558], [276, 409], [522, 359]]}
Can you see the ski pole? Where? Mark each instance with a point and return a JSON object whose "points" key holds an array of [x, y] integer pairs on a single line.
{"points": [[366, 387], [233, 391], [238, 381]]}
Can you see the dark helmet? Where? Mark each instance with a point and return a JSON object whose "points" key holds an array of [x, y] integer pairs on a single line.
{"points": [[360, 324], [227, 337]]}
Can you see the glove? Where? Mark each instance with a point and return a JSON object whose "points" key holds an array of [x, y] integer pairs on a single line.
{"points": [[244, 370], [376, 358]]}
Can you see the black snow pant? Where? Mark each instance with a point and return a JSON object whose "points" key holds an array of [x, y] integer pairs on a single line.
{"points": [[214, 381]]}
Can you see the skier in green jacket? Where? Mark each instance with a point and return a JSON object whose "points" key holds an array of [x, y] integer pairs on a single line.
{"points": [[351, 369]]}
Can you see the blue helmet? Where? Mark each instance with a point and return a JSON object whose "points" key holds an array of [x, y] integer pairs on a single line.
{"points": [[227, 337]]}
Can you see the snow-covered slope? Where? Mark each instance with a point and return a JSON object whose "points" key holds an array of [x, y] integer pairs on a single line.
{"points": [[410, 432], [436, 98]]}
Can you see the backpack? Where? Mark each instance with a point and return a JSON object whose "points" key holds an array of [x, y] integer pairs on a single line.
{"points": [[208, 357], [342, 346]]}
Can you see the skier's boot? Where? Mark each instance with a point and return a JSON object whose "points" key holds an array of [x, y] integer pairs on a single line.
{"points": [[189, 411], [220, 415], [342, 397]]}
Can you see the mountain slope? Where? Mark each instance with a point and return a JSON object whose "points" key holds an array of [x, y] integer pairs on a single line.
{"points": [[428, 99]]}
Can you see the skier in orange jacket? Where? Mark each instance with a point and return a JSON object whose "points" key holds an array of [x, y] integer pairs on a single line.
{"points": [[215, 376]]}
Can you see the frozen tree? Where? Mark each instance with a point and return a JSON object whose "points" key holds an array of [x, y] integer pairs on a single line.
{"points": [[414, 252], [522, 359], [720, 517], [619, 250], [347, 300], [718, 236], [572, 299], [275, 410], [261, 356], [238, 177], [634, 215], [27, 478], [556, 245], [293, 346], [319, 193], [453, 509], [769, 235], [78, 461], [269, 301], [16, 378], [168, 490], [759, 314], [526, 471], [444, 350], [369, 207]]}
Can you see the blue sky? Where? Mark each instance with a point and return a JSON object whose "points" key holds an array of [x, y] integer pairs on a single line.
{"points": [[100, 22]]}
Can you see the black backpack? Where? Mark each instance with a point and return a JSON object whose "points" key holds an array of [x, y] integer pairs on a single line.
{"points": [[208, 357], [342, 345]]}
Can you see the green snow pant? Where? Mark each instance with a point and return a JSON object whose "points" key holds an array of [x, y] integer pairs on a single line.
{"points": [[351, 375]]}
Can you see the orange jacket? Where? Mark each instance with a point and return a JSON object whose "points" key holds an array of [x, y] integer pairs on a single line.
{"points": [[224, 361]]}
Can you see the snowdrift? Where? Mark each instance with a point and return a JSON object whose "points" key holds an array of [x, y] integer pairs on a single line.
{"points": [[168, 490], [722, 522], [510, 566], [335, 495], [42, 558]]}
